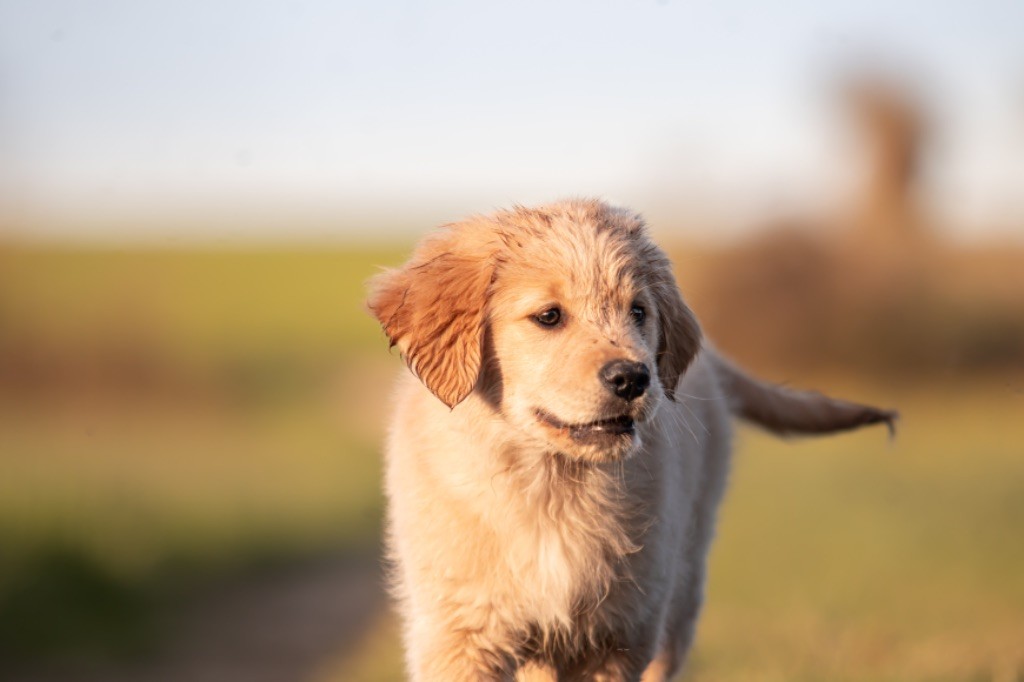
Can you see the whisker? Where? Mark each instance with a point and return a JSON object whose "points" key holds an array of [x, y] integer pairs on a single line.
{"points": [[697, 397], [681, 419], [694, 415]]}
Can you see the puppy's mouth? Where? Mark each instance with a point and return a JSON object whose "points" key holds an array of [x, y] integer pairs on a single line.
{"points": [[592, 432]]}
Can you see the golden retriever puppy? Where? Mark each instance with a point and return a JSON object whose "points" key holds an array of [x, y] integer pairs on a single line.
{"points": [[554, 473]]}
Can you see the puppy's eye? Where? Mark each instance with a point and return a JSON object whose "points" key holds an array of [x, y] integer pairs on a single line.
{"points": [[638, 314], [549, 317]]}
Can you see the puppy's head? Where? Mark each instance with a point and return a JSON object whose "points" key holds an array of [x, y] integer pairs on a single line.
{"points": [[566, 318]]}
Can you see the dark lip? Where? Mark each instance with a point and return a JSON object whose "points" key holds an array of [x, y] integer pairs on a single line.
{"points": [[622, 425]]}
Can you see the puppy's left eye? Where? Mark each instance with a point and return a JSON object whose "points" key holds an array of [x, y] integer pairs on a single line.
{"points": [[549, 318], [638, 314]]}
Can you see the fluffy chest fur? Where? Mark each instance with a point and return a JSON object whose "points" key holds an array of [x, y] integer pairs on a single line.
{"points": [[556, 544], [572, 533]]}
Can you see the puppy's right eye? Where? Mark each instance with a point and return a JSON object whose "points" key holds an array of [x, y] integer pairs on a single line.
{"points": [[548, 318]]}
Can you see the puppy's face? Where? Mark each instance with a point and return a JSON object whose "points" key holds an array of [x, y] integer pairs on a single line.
{"points": [[575, 339], [566, 319]]}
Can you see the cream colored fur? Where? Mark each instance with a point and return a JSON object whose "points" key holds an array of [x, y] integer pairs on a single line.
{"points": [[524, 546]]}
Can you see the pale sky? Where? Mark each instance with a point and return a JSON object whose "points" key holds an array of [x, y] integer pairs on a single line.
{"points": [[385, 109]]}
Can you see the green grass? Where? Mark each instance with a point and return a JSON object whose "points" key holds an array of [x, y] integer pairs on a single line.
{"points": [[193, 304], [253, 435], [136, 504]]}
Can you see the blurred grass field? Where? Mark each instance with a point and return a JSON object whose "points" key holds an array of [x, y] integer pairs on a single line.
{"points": [[171, 416], [167, 416]]}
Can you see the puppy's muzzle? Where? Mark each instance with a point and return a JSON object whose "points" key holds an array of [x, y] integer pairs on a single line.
{"points": [[627, 380]]}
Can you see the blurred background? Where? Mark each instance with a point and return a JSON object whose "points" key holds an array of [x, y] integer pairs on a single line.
{"points": [[192, 399]]}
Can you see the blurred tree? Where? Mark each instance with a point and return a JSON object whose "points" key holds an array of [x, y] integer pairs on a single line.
{"points": [[892, 127]]}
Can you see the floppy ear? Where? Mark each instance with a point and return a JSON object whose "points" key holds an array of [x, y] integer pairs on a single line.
{"points": [[433, 310], [679, 335]]}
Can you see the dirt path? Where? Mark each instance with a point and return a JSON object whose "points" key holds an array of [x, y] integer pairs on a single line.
{"points": [[282, 625]]}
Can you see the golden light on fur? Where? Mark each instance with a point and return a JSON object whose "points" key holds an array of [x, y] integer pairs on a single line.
{"points": [[433, 310], [554, 474]]}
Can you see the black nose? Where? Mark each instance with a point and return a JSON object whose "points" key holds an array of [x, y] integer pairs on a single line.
{"points": [[626, 379]]}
